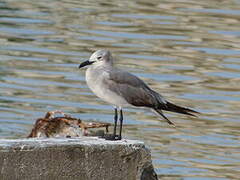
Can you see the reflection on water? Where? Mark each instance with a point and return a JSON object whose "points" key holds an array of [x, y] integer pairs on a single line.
{"points": [[187, 50]]}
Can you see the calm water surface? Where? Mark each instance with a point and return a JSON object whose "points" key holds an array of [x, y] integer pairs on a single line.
{"points": [[186, 50]]}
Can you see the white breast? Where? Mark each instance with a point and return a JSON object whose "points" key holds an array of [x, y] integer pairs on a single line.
{"points": [[95, 81]]}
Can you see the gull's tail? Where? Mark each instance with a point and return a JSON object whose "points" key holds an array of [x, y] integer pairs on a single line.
{"points": [[174, 108]]}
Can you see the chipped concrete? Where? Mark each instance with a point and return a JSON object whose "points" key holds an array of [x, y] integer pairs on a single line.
{"points": [[85, 158]]}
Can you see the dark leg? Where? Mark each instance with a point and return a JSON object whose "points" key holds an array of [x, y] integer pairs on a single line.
{"points": [[115, 122], [113, 136], [121, 123]]}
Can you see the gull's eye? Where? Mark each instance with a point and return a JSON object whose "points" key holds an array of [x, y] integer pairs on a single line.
{"points": [[99, 57]]}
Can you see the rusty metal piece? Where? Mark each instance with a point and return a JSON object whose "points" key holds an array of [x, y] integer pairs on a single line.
{"points": [[66, 126]]}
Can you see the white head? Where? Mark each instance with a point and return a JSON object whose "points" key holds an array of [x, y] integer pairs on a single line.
{"points": [[99, 58]]}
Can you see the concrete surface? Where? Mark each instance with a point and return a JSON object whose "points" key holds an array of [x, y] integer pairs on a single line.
{"points": [[86, 158]]}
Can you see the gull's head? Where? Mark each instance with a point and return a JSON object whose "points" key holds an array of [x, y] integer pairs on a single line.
{"points": [[98, 58]]}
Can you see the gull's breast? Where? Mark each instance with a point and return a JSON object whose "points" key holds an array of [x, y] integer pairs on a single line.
{"points": [[95, 81]]}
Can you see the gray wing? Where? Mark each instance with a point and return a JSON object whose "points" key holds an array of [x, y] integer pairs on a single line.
{"points": [[133, 89]]}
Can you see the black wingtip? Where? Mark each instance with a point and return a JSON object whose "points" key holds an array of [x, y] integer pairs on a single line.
{"points": [[160, 112], [178, 109]]}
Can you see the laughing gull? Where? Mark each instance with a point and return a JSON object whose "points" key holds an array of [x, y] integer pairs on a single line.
{"points": [[122, 89]]}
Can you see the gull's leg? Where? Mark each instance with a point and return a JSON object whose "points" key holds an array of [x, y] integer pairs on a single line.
{"points": [[115, 121], [121, 123], [113, 136]]}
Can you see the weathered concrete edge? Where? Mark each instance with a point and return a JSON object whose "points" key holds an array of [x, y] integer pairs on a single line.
{"points": [[29, 143], [143, 168]]}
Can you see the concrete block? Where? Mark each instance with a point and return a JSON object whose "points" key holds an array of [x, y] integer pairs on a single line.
{"points": [[85, 158]]}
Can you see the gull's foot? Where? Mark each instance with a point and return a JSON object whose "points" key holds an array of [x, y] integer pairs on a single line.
{"points": [[112, 137], [118, 137]]}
